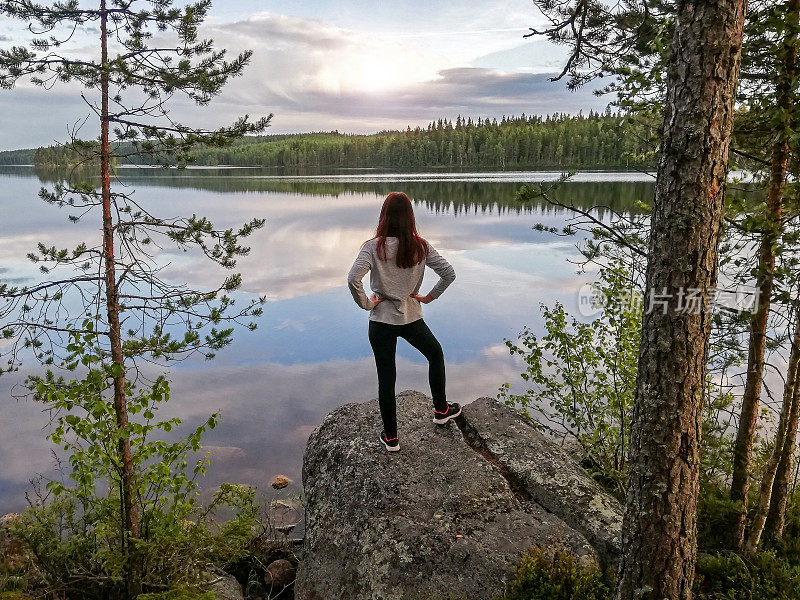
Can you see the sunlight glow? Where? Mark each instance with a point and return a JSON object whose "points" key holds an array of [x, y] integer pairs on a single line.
{"points": [[377, 70]]}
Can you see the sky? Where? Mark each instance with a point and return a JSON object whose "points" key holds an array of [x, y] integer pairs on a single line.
{"points": [[349, 65]]}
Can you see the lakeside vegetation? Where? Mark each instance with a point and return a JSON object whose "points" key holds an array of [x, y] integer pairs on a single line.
{"points": [[602, 141]]}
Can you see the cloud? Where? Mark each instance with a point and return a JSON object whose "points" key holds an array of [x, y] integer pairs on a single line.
{"points": [[293, 57], [535, 55], [303, 67], [464, 90], [474, 90], [315, 76]]}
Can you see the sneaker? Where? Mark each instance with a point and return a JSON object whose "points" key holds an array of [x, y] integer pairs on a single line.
{"points": [[392, 445], [453, 410]]}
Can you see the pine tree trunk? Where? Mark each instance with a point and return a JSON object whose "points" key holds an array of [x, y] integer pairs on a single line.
{"points": [[129, 507], [768, 478], [743, 447], [659, 528]]}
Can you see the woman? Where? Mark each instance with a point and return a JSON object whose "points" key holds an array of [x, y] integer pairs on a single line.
{"points": [[396, 258]]}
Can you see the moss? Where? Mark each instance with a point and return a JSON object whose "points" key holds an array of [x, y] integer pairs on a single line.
{"points": [[14, 596], [558, 577], [178, 593]]}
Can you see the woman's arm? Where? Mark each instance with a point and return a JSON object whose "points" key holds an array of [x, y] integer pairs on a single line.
{"points": [[360, 268], [443, 269]]}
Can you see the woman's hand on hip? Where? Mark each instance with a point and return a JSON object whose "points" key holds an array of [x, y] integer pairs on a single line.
{"points": [[423, 299], [376, 300]]}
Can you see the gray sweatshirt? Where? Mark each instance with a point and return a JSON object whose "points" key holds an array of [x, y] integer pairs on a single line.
{"points": [[393, 284]]}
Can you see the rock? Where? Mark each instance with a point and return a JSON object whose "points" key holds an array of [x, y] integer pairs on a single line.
{"points": [[280, 573], [442, 518], [548, 474], [224, 585], [13, 552]]}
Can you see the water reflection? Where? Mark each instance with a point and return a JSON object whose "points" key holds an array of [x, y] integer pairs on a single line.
{"points": [[311, 352], [439, 191]]}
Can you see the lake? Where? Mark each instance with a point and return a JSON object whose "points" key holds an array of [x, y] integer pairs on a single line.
{"points": [[310, 352]]}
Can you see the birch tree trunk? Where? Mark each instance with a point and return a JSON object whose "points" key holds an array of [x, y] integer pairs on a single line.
{"points": [[659, 528]]}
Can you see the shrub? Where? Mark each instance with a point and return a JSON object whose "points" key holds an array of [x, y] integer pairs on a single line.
{"points": [[76, 552], [582, 376], [729, 576], [558, 577], [714, 508], [788, 546], [74, 527], [722, 576]]}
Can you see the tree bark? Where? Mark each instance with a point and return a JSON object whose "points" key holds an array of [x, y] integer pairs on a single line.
{"points": [[768, 479], [129, 507], [743, 446], [659, 528]]}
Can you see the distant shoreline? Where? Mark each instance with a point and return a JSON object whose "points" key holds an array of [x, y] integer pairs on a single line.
{"points": [[593, 141], [378, 174]]}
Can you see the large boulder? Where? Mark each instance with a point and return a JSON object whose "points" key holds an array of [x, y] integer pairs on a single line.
{"points": [[546, 473], [450, 514]]}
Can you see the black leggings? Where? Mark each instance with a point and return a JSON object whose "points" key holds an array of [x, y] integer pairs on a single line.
{"points": [[383, 339]]}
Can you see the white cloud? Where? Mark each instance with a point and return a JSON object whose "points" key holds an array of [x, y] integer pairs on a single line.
{"points": [[294, 57], [316, 76], [327, 77]]}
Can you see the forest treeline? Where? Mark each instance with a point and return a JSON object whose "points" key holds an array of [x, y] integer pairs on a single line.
{"points": [[555, 141], [594, 140], [18, 157]]}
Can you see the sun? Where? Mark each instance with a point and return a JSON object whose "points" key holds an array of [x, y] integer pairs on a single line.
{"points": [[381, 70], [375, 76]]}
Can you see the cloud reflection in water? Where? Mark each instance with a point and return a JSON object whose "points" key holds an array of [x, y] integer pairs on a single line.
{"points": [[310, 352]]}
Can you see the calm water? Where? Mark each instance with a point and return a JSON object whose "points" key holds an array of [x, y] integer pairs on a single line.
{"points": [[310, 352]]}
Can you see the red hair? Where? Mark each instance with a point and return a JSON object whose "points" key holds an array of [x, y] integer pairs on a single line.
{"points": [[397, 220]]}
